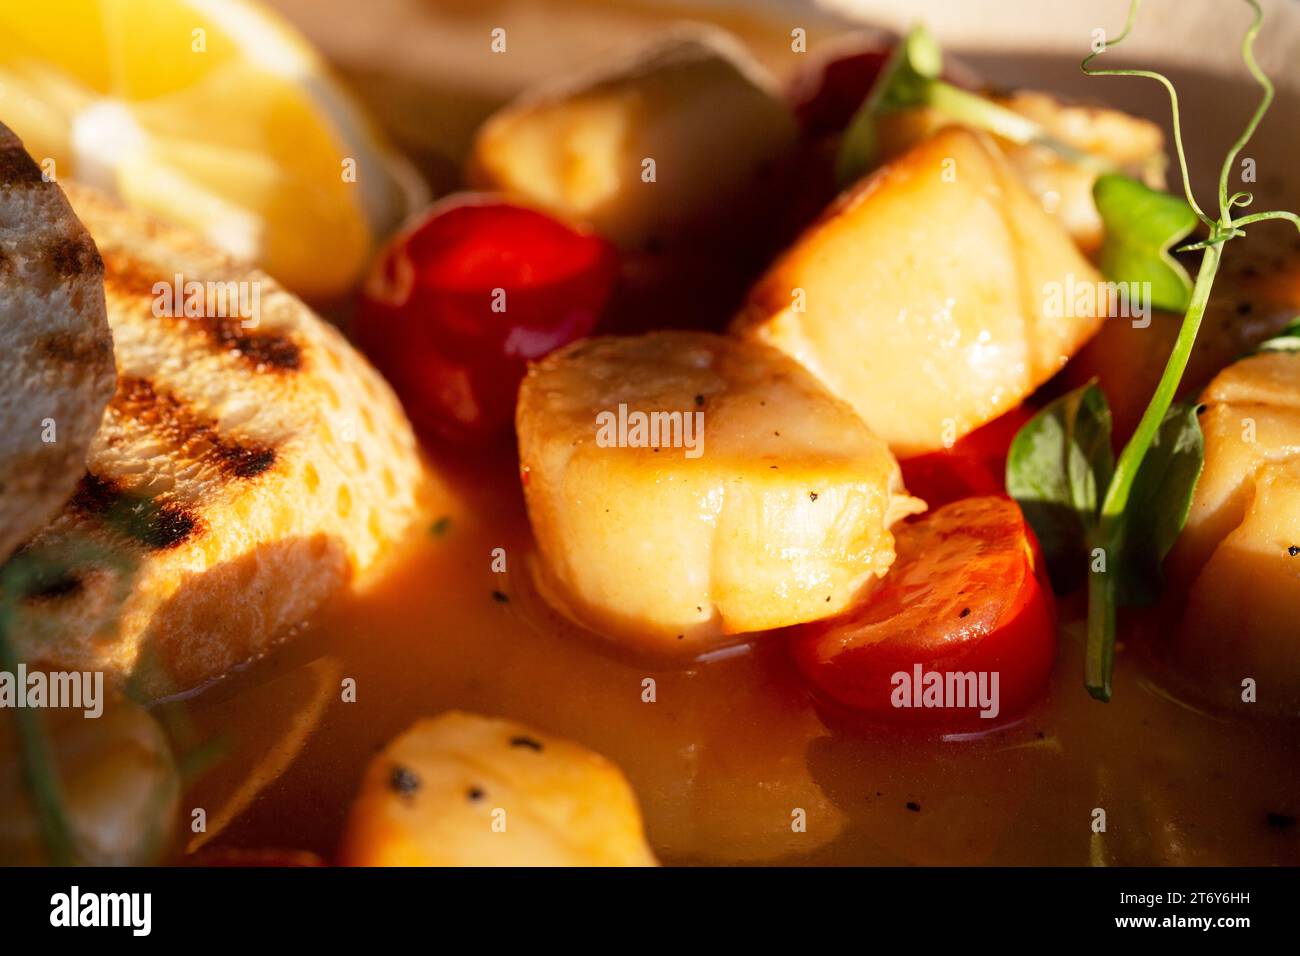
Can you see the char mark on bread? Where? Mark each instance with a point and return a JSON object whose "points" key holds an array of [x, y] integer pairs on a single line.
{"points": [[127, 276], [68, 348], [239, 477], [188, 433], [75, 255], [154, 525], [16, 167]]}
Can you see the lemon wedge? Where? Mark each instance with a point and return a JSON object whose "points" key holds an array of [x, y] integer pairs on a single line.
{"points": [[211, 113]]}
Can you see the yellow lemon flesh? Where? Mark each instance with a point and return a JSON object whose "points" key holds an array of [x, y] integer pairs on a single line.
{"points": [[211, 113]]}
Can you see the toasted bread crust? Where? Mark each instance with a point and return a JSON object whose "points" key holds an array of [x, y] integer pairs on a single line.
{"points": [[56, 351], [247, 468]]}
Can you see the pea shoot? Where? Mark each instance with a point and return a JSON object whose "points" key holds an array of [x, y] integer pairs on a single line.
{"points": [[1127, 513]]}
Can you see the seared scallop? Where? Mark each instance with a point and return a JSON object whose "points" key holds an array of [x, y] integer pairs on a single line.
{"points": [[650, 150], [1062, 186], [932, 297], [464, 790], [1132, 145], [684, 486], [1240, 550]]}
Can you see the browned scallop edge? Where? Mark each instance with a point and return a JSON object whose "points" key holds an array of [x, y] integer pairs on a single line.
{"points": [[127, 276]]}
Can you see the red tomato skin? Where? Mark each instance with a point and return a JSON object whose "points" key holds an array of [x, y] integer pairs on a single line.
{"points": [[858, 682], [1022, 652], [975, 465], [825, 97], [427, 318], [940, 478]]}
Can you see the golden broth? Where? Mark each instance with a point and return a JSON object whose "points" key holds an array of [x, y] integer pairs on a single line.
{"points": [[731, 749]]}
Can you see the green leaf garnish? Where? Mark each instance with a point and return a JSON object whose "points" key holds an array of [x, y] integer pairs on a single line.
{"points": [[1141, 226], [35, 752], [1058, 467], [910, 79], [911, 67], [1158, 504], [1148, 495]]}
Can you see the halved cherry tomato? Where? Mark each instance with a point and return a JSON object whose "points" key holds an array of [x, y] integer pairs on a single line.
{"points": [[975, 465], [465, 296], [966, 595]]}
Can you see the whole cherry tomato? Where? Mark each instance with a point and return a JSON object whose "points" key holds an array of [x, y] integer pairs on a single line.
{"points": [[966, 596], [465, 296], [976, 464]]}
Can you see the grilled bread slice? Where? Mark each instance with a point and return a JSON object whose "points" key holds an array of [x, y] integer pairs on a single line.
{"points": [[249, 466], [737, 495], [56, 352]]}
